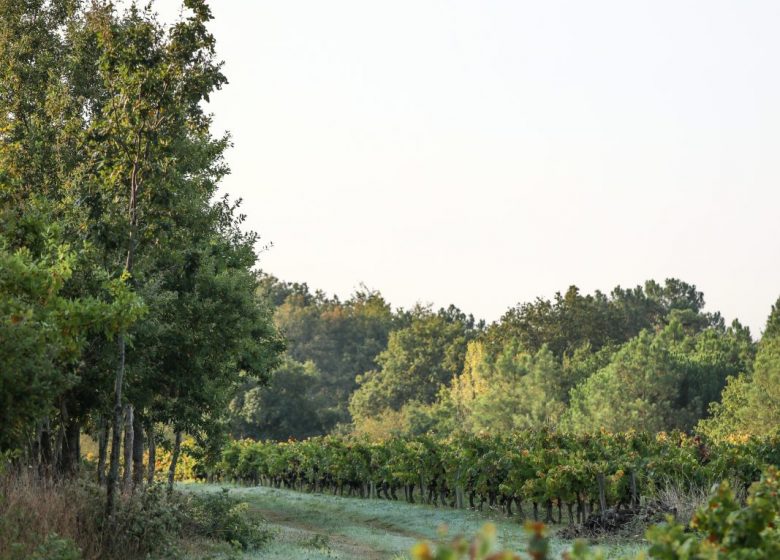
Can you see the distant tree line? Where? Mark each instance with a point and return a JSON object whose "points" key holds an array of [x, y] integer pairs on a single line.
{"points": [[644, 358]]}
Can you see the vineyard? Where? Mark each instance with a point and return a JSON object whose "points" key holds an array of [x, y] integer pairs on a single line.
{"points": [[150, 338], [549, 472]]}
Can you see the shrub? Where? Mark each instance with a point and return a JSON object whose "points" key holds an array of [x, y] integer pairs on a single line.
{"points": [[149, 521], [53, 547], [220, 517], [57, 548]]}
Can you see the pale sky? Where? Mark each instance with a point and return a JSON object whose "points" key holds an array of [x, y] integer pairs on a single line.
{"points": [[484, 153]]}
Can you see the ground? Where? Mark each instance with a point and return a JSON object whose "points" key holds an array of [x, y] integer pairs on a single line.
{"points": [[317, 526]]}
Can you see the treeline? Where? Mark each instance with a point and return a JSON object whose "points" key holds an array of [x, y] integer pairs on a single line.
{"points": [[646, 358], [128, 300]]}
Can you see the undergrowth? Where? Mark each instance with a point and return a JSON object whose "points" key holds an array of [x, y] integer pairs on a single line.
{"points": [[66, 520]]}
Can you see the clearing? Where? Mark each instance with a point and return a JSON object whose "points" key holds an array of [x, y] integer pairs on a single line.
{"points": [[318, 526]]}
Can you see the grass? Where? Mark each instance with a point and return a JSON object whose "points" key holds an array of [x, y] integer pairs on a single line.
{"points": [[318, 526], [32, 510]]}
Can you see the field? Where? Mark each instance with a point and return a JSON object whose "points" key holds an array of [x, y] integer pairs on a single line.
{"points": [[319, 526]]}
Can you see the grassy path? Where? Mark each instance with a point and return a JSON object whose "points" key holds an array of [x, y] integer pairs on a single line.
{"points": [[317, 526]]}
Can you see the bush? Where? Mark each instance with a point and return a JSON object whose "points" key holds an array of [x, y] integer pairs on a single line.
{"points": [[149, 521], [155, 520], [57, 548], [221, 517], [53, 548]]}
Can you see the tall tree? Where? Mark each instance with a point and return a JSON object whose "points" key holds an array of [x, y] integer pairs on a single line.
{"points": [[342, 337], [572, 320], [288, 407], [104, 132], [419, 359], [751, 400], [660, 381], [516, 390]]}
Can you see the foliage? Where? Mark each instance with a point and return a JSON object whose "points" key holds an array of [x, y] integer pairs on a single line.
{"points": [[340, 338], [41, 331], [220, 517], [481, 548], [502, 470], [572, 320], [722, 530], [124, 280], [571, 362], [65, 521], [660, 381], [516, 390], [187, 467], [419, 359], [264, 411], [750, 403]]}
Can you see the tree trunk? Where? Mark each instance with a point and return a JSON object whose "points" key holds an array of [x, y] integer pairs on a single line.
{"points": [[116, 431], [549, 515], [138, 452], [152, 454], [71, 452], [128, 459], [521, 513], [35, 448], [174, 460], [634, 491], [47, 457], [59, 444], [602, 494], [113, 473], [102, 449]]}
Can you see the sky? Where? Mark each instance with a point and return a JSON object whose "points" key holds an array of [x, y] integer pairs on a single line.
{"points": [[484, 153]]}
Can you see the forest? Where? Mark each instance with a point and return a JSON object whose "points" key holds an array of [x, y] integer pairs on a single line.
{"points": [[647, 358], [142, 343]]}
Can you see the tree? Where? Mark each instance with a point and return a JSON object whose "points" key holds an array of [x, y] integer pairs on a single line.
{"points": [[41, 332], [660, 381], [751, 401], [762, 414], [572, 320], [637, 390], [288, 407], [148, 139], [418, 360], [342, 337], [772, 328], [210, 331], [516, 390], [104, 133]]}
